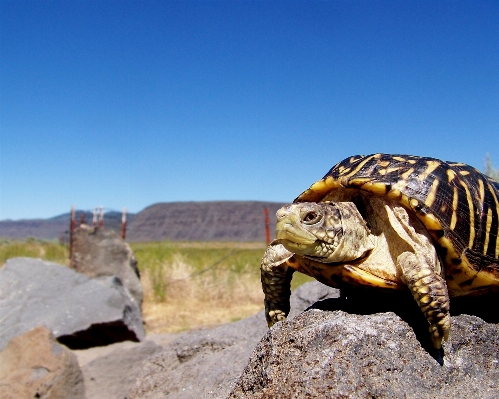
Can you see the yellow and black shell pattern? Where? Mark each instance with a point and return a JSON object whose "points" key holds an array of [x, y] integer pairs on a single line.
{"points": [[458, 205]]}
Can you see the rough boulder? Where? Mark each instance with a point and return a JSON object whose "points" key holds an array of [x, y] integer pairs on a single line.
{"points": [[114, 369], [357, 348], [99, 252], [34, 365], [207, 363], [81, 312]]}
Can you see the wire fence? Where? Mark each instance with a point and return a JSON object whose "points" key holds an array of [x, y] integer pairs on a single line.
{"points": [[102, 217], [112, 219], [99, 217]]}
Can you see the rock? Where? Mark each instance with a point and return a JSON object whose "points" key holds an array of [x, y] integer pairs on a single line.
{"points": [[110, 371], [34, 365], [200, 363], [336, 354], [81, 312], [206, 363], [308, 295], [88, 355], [99, 252], [113, 374]]}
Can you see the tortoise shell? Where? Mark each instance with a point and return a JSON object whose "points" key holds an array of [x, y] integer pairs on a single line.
{"points": [[458, 205]]}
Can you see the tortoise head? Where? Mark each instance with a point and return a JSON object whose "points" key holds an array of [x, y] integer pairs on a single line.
{"points": [[324, 231]]}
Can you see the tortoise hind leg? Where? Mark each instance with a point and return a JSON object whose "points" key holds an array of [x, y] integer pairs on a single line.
{"points": [[276, 278], [430, 292]]}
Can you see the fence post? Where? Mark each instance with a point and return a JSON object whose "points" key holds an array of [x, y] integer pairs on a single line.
{"points": [[267, 225], [101, 217], [123, 224], [72, 226]]}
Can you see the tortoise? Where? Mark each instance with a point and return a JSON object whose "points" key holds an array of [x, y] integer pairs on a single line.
{"points": [[390, 222]]}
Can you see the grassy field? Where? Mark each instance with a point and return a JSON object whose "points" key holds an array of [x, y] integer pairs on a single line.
{"points": [[33, 248], [186, 285]]}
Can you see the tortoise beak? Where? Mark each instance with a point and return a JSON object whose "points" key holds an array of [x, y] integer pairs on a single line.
{"points": [[289, 227]]}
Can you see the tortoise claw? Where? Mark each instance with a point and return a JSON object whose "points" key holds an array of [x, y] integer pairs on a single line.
{"points": [[274, 316], [439, 331]]}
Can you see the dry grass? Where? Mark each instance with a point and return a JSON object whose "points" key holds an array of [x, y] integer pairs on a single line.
{"points": [[33, 248], [186, 285], [194, 298]]}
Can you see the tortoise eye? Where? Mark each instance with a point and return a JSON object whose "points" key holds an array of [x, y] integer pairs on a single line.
{"points": [[311, 217]]}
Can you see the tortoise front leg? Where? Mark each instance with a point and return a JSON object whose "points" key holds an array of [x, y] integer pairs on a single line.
{"points": [[276, 278], [430, 292]]}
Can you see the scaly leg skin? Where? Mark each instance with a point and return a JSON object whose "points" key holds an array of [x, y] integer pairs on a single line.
{"points": [[430, 292], [276, 282]]}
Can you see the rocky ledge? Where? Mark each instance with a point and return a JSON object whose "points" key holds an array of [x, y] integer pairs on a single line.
{"points": [[361, 345]]}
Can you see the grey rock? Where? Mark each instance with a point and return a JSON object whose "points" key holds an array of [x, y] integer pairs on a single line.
{"points": [[99, 252], [81, 312], [200, 364], [207, 363], [112, 375], [338, 355], [34, 365], [308, 295]]}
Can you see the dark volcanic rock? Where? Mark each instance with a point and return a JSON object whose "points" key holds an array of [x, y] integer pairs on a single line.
{"points": [[206, 363], [310, 294], [202, 363], [81, 312], [113, 374], [99, 252], [34, 365], [339, 355]]}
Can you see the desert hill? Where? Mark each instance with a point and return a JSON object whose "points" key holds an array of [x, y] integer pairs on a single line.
{"points": [[203, 221], [53, 228], [190, 221]]}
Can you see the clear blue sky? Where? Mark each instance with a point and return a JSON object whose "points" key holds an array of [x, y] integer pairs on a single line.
{"points": [[129, 103]]}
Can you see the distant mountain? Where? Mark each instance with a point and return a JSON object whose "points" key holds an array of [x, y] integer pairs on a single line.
{"points": [[189, 221], [203, 221], [45, 229], [56, 227]]}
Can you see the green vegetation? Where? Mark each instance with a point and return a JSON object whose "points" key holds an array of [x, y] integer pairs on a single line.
{"points": [[33, 248], [193, 284], [186, 284], [168, 264], [490, 170], [225, 261]]}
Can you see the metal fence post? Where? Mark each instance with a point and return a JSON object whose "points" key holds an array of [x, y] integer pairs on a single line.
{"points": [[123, 224], [267, 225]]}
